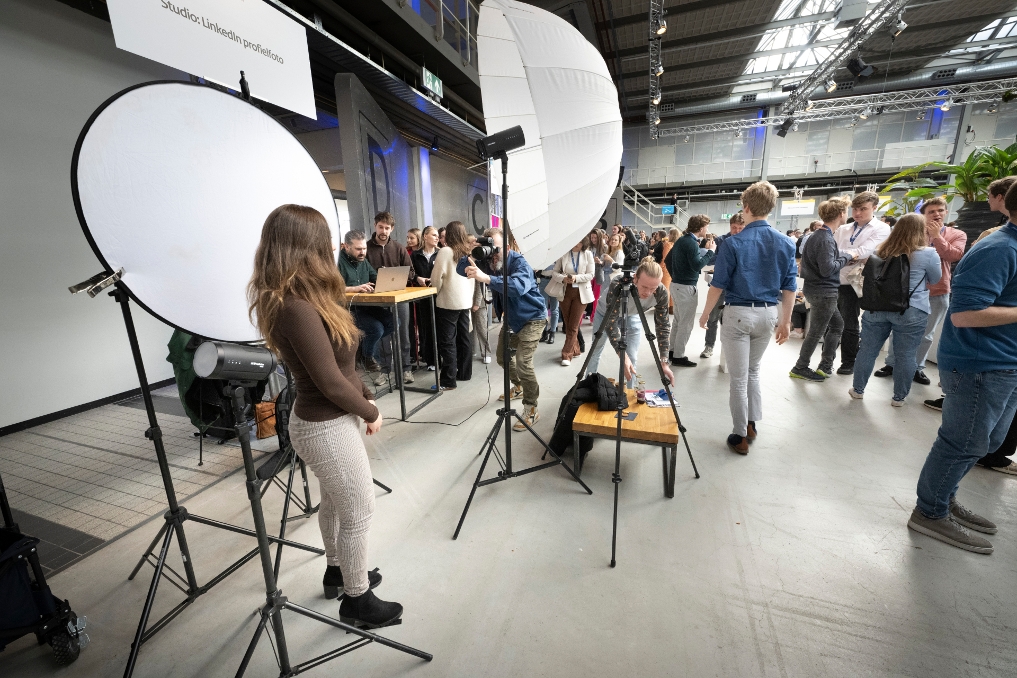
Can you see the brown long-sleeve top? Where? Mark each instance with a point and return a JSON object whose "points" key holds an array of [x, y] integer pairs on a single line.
{"points": [[324, 373]]}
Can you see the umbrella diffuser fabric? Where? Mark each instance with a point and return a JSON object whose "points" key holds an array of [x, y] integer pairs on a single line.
{"points": [[539, 72]]}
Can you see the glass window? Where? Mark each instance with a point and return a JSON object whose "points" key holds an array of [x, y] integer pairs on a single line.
{"points": [[817, 141]]}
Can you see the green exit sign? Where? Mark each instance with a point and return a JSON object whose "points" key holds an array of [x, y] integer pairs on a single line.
{"points": [[432, 83]]}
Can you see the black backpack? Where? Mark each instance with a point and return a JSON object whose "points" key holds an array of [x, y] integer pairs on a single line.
{"points": [[886, 284]]}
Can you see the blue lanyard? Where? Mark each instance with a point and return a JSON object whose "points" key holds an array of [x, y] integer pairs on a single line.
{"points": [[856, 231], [575, 260]]}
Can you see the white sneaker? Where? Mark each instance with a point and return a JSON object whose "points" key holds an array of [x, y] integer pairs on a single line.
{"points": [[530, 416], [487, 360], [380, 379], [896, 403], [565, 363], [707, 352], [1010, 470], [430, 368], [855, 394], [408, 377]]}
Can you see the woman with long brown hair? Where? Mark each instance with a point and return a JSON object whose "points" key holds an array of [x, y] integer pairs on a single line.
{"points": [[601, 276], [908, 239], [297, 299], [574, 273], [453, 304]]}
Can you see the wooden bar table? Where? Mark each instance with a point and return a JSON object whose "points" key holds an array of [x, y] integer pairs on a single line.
{"points": [[653, 426], [392, 300]]}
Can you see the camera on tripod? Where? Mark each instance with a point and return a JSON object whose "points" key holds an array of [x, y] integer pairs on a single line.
{"points": [[483, 250]]}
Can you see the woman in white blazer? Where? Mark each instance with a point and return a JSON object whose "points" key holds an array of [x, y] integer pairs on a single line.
{"points": [[574, 272], [452, 312]]}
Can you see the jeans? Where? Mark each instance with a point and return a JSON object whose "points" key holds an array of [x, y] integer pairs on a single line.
{"points": [[552, 307], [521, 370], [404, 339], [977, 412], [847, 304], [746, 333], [375, 323], [633, 335], [686, 301], [716, 317], [907, 331], [939, 306], [455, 346], [826, 321]]}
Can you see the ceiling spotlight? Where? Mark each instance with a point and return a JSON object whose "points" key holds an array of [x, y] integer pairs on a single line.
{"points": [[653, 118], [897, 27], [866, 112], [794, 127], [921, 114], [659, 26], [831, 85], [658, 70], [785, 127], [686, 138], [434, 145], [859, 68], [809, 105], [854, 121], [945, 106], [993, 107], [656, 98], [738, 134]]}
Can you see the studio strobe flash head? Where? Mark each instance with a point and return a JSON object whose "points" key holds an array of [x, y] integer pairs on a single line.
{"points": [[233, 362], [502, 142]]}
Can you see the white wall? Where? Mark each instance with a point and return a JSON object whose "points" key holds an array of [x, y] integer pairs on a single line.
{"points": [[59, 351]]}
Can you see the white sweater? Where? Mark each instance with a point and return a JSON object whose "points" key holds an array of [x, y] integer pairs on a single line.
{"points": [[455, 292], [866, 240]]}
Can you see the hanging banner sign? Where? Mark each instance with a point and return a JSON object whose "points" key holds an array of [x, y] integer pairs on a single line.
{"points": [[797, 207], [216, 39]]}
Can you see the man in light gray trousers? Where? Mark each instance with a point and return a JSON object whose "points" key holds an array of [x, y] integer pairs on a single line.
{"points": [[684, 262]]}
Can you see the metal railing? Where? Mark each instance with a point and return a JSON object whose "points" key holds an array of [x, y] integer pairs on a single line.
{"points": [[455, 22], [649, 213]]}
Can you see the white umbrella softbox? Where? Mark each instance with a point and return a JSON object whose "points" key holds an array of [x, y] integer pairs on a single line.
{"points": [[539, 72]]}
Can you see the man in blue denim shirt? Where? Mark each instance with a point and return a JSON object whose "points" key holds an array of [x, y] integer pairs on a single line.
{"points": [[756, 270], [978, 371]]}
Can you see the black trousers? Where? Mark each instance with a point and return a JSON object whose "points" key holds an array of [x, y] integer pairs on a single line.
{"points": [[422, 309], [1001, 457], [847, 304], [455, 346]]}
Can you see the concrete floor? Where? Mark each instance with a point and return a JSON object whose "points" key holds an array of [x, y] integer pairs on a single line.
{"points": [[792, 561]]}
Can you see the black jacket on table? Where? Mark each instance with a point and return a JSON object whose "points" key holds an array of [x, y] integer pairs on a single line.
{"points": [[821, 263]]}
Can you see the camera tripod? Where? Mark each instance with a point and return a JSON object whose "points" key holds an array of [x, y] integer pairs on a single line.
{"points": [[618, 310], [275, 602], [506, 414]]}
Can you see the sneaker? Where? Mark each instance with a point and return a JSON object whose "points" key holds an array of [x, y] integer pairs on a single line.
{"points": [[884, 371], [381, 379], [738, 444], [896, 403], [371, 365], [797, 334], [707, 352], [487, 360], [530, 416], [750, 431], [806, 374], [430, 368], [846, 369], [970, 520], [855, 394], [1010, 470], [442, 388], [921, 378], [565, 362], [949, 532], [682, 362], [408, 377], [515, 394], [825, 372], [936, 404]]}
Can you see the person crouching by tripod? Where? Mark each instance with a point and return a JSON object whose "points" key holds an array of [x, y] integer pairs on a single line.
{"points": [[298, 297], [652, 295], [525, 316]]}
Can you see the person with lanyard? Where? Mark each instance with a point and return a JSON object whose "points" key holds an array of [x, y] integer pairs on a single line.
{"points": [[423, 264], [756, 269], [950, 244], [857, 240], [574, 275], [978, 371]]}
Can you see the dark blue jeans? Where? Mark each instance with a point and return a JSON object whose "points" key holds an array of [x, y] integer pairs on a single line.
{"points": [[977, 412], [375, 323], [907, 335]]}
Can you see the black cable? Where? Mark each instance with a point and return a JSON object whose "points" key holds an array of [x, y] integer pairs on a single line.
{"points": [[444, 423]]}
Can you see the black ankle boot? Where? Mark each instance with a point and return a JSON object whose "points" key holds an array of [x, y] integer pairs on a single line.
{"points": [[333, 580], [368, 611], [543, 336], [550, 337]]}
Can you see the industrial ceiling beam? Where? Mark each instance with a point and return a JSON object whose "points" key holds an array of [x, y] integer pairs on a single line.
{"points": [[673, 11]]}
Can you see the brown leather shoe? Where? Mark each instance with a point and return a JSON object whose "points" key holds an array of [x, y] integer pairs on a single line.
{"points": [[738, 444], [750, 431]]}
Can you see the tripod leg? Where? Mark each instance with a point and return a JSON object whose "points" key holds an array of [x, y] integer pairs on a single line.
{"points": [[382, 486], [265, 614], [310, 508], [616, 479], [491, 439], [285, 515], [149, 601], [148, 551], [548, 450]]}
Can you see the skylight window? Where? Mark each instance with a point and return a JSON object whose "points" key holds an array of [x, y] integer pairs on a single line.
{"points": [[794, 51], [998, 28]]}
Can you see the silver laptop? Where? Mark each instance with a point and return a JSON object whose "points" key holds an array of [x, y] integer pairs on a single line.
{"points": [[392, 278]]}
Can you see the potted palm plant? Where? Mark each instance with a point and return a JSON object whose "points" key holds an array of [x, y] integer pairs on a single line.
{"points": [[969, 180]]}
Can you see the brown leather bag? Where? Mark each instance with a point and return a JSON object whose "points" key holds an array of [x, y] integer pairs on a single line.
{"points": [[264, 417]]}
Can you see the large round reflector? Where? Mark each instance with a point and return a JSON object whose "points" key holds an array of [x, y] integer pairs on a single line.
{"points": [[172, 182]]}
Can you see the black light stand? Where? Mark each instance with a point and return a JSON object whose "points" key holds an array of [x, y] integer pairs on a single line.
{"points": [[620, 303], [275, 602], [507, 413], [177, 514]]}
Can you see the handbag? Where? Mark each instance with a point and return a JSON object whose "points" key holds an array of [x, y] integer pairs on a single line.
{"points": [[264, 419], [555, 288]]}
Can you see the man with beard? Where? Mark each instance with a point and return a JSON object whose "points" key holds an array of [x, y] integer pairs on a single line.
{"points": [[525, 317], [384, 250]]}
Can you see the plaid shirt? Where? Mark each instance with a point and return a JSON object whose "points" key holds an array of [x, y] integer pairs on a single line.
{"points": [[663, 327]]}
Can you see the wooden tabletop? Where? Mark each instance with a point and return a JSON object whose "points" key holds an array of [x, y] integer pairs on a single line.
{"points": [[408, 294], [652, 424]]}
